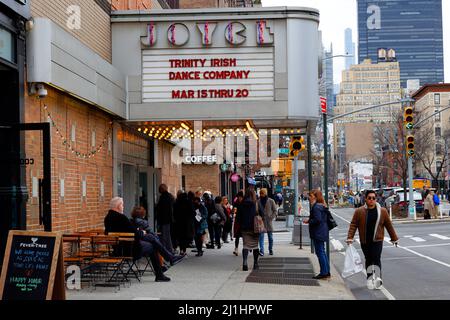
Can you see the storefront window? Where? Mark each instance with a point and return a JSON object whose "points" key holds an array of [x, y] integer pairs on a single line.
{"points": [[7, 41]]}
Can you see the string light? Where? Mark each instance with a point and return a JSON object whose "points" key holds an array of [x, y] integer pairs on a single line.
{"points": [[66, 143]]}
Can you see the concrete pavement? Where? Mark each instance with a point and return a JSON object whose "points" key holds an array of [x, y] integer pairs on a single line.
{"points": [[218, 276]]}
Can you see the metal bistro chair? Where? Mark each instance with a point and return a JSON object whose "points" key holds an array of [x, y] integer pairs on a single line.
{"points": [[124, 250], [107, 270]]}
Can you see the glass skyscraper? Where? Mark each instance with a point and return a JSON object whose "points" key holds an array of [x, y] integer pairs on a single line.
{"points": [[413, 28]]}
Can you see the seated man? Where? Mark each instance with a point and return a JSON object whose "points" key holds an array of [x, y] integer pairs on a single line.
{"points": [[116, 221]]}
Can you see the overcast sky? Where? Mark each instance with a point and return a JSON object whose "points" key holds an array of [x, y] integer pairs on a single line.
{"points": [[337, 15]]}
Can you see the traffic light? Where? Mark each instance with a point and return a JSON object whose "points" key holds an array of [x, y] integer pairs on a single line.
{"points": [[297, 144], [408, 117], [410, 145]]}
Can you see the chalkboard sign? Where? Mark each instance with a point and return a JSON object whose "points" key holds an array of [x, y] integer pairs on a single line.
{"points": [[32, 263]]}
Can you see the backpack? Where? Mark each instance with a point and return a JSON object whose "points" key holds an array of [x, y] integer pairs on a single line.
{"points": [[436, 199]]}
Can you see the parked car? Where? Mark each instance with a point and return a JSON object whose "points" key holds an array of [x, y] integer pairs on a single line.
{"points": [[402, 205]]}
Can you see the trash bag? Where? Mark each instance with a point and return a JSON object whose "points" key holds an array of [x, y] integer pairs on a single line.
{"points": [[353, 263]]}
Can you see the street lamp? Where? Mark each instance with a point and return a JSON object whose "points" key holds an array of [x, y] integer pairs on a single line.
{"points": [[325, 153]]}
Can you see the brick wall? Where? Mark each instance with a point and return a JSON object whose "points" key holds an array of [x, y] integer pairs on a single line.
{"points": [[191, 4], [73, 212], [135, 4], [95, 29], [170, 171], [205, 176]]}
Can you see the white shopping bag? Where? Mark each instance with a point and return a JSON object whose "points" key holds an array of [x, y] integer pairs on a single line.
{"points": [[353, 263]]}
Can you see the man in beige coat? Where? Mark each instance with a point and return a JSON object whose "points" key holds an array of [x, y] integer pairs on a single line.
{"points": [[268, 210], [428, 205]]}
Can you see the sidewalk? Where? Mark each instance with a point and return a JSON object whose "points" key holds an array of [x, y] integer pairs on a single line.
{"points": [[218, 276]]}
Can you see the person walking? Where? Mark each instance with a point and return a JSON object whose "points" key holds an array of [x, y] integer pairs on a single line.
{"points": [[428, 205], [268, 210], [200, 224], [183, 213], [370, 221], [164, 215], [246, 217], [318, 231]]}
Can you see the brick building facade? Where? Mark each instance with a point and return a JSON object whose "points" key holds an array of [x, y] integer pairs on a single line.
{"points": [[81, 187]]}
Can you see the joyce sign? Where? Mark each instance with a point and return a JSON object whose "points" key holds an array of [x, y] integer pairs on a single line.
{"points": [[217, 70]]}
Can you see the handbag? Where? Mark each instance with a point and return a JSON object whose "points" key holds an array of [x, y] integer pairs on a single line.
{"points": [[215, 218], [330, 220], [258, 225]]}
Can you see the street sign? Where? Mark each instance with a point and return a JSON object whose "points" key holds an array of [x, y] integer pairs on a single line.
{"points": [[283, 150], [323, 104]]}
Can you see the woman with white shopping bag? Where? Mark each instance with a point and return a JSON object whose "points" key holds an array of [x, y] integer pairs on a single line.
{"points": [[370, 221]]}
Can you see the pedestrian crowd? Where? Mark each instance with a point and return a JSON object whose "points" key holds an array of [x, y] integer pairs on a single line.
{"points": [[196, 220]]}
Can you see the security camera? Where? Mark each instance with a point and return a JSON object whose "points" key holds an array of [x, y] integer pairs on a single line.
{"points": [[41, 91]]}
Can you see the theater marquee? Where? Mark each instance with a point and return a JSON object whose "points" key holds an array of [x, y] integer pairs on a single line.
{"points": [[233, 72], [220, 64]]}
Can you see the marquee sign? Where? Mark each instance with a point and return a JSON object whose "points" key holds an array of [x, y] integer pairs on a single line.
{"points": [[210, 72]]}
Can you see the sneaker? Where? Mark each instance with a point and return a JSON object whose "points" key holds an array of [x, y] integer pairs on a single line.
{"points": [[245, 267], [261, 253], [162, 278], [235, 252], [270, 252]]}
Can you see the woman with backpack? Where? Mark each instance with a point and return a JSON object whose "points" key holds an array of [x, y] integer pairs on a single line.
{"points": [[318, 231]]}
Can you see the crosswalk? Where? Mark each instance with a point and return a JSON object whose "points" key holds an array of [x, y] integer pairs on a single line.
{"points": [[405, 240], [281, 237]]}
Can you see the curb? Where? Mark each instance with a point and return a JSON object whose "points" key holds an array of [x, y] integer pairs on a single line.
{"points": [[421, 221]]}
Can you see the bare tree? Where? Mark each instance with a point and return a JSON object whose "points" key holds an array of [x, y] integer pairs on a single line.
{"points": [[391, 153], [425, 144]]}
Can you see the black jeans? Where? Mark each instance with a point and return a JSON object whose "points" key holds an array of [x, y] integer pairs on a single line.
{"points": [[199, 242], [147, 250], [372, 254]]}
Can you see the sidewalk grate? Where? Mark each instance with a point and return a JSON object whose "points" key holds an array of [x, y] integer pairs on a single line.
{"points": [[288, 271], [279, 265], [286, 260], [286, 281], [278, 275]]}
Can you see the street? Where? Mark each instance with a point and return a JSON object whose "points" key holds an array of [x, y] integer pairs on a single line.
{"points": [[417, 269]]}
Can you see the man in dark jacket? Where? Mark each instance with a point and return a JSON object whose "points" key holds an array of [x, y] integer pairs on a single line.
{"points": [[116, 221], [164, 215]]}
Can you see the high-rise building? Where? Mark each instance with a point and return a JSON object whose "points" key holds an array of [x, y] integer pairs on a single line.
{"points": [[412, 28], [328, 74], [350, 49], [363, 85]]}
